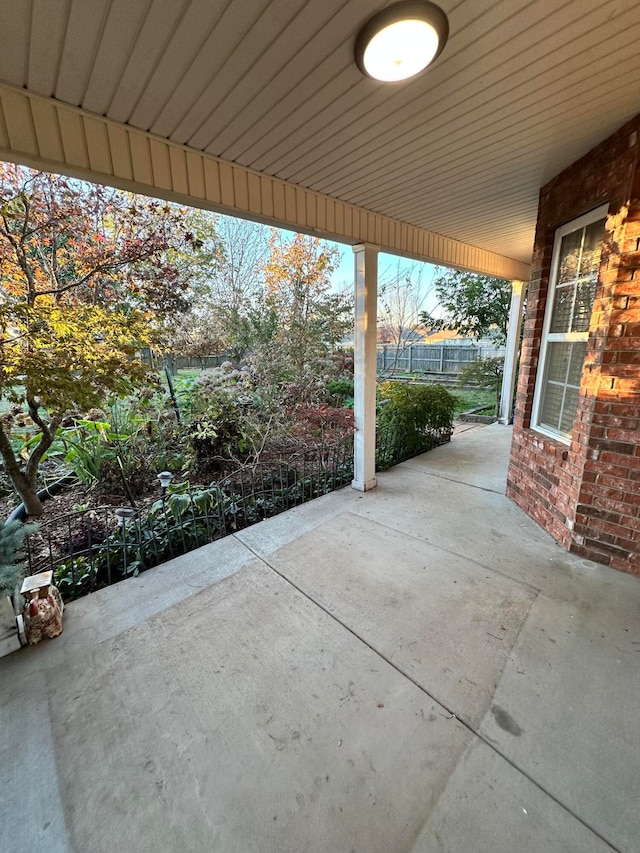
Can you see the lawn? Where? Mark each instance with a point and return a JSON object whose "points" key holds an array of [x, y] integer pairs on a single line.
{"points": [[473, 398]]}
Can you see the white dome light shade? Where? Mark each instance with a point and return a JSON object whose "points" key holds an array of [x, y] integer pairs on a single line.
{"points": [[400, 51], [401, 40]]}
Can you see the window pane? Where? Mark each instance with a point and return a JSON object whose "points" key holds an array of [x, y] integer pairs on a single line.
{"points": [[578, 352], [569, 408], [558, 362], [552, 406], [570, 256], [562, 309], [561, 385], [579, 263], [585, 294], [591, 250]]}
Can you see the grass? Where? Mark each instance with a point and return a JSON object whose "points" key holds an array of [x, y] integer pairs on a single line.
{"points": [[190, 373], [473, 398]]}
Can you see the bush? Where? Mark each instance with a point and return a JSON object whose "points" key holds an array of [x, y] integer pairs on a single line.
{"points": [[340, 390], [320, 424], [222, 433], [420, 415]]}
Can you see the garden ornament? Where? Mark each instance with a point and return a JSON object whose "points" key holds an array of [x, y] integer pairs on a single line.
{"points": [[43, 608]]}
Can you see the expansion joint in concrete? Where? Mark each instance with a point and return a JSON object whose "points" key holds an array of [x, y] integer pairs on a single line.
{"points": [[465, 723]]}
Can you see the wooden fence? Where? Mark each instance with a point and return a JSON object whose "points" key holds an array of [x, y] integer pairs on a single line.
{"points": [[442, 359], [432, 358], [158, 362]]}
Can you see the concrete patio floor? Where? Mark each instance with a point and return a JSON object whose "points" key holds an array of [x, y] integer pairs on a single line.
{"points": [[416, 669]]}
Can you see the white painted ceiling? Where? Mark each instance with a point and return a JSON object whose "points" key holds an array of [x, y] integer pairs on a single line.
{"points": [[522, 89]]}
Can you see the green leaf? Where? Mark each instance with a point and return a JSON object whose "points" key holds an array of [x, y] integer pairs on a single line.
{"points": [[178, 505]]}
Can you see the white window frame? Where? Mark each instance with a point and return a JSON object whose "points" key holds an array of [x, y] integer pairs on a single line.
{"points": [[562, 337]]}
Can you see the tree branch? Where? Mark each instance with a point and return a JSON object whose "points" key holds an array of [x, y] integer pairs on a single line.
{"points": [[107, 266], [46, 439]]}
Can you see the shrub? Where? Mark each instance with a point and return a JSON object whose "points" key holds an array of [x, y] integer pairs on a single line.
{"points": [[319, 424], [340, 390], [420, 415], [236, 383], [222, 433], [12, 536]]}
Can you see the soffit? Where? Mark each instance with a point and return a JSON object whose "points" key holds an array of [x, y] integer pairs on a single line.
{"points": [[521, 90]]}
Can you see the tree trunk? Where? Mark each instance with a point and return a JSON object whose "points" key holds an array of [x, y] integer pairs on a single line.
{"points": [[24, 484], [27, 492], [30, 499]]}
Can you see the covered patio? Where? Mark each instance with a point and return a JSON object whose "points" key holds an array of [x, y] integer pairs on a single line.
{"points": [[421, 668], [411, 668]]}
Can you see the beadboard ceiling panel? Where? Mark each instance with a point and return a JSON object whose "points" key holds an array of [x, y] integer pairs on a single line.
{"points": [[523, 88]]}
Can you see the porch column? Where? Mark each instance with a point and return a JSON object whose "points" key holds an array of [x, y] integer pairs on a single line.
{"points": [[364, 366], [511, 355]]}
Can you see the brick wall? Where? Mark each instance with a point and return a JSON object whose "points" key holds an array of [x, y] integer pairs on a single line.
{"points": [[587, 493]]}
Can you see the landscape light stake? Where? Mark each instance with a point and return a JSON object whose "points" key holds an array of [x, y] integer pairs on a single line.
{"points": [[124, 482], [172, 393]]}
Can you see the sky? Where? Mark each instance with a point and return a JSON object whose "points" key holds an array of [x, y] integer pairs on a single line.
{"points": [[390, 267]]}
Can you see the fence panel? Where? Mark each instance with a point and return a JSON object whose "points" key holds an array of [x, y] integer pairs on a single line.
{"points": [[158, 362], [432, 358]]}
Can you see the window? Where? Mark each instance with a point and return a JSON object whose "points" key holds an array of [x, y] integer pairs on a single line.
{"points": [[572, 287]]}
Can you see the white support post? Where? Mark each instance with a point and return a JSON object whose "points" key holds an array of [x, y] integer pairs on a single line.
{"points": [[364, 396], [511, 354]]}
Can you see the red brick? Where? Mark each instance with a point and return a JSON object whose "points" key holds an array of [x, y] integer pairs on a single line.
{"points": [[608, 482], [614, 433], [593, 483]]}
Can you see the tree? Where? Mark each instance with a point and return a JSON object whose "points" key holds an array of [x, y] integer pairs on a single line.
{"points": [[476, 306], [200, 256], [85, 280], [237, 289], [401, 295], [224, 264], [308, 320], [487, 374], [198, 334]]}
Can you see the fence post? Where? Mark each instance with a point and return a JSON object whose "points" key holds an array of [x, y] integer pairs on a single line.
{"points": [[441, 358]]}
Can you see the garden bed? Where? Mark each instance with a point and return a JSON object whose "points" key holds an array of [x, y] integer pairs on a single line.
{"points": [[87, 539], [121, 521], [90, 540]]}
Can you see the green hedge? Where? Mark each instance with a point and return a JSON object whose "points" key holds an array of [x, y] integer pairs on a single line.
{"points": [[412, 418]]}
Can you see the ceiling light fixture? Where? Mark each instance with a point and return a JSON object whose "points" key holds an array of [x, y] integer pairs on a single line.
{"points": [[401, 40]]}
